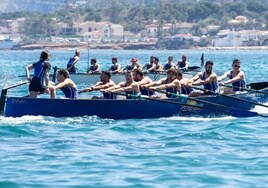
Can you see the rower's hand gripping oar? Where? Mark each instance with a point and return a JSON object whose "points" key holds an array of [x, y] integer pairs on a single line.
{"points": [[231, 111], [231, 97]]}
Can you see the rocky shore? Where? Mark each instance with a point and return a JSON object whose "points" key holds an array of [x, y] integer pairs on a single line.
{"points": [[122, 46]]}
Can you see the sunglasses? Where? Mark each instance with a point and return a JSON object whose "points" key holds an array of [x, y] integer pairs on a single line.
{"points": [[237, 66]]}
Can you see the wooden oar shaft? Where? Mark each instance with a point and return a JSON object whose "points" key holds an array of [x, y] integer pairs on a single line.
{"points": [[253, 90], [193, 99], [231, 97], [168, 101]]}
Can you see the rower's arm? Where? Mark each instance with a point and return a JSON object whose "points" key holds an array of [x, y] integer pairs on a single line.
{"points": [[88, 89], [121, 84], [62, 84], [97, 70], [104, 86], [165, 86], [225, 75], [157, 83], [196, 77], [240, 76], [209, 79], [151, 69], [117, 70], [144, 81]]}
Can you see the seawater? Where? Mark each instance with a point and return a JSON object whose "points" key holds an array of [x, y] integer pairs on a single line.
{"points": [[37, 151]]}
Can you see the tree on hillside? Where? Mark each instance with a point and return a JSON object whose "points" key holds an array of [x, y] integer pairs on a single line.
{"points": [[114, 12]]}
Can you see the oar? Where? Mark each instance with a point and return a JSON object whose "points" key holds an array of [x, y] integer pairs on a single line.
{"points": [[232, 112], [191, 98], [4, 95], [253, 90], [231, 97], [227, 108]]}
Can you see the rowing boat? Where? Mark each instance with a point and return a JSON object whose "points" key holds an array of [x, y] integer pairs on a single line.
{"points": [[125, 109], [83, 78], [212, 105]]}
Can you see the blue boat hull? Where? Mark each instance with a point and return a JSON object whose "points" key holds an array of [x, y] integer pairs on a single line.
{"points": [[124, 109]]}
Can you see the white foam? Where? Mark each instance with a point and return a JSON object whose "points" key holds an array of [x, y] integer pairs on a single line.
{"points": [[180, 118], [45, 120], [261, 109]]}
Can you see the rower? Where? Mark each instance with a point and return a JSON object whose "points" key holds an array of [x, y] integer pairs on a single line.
{"points": [[94, 68], [183, 64], [115, 68], [236, 77], [149, 65], [65, 84], [157, 66], [40, 81], [208, 79], [71, 68], [181, 84], [141, 80], [172, 75], [130, 87], [169, 64], [105, 83], [134, 65]]}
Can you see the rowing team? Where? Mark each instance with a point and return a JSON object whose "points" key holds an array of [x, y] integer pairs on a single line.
{"points": [[152, 66], [135, 83]]}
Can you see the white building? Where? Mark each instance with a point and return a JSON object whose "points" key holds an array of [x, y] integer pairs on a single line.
{"points": [[113, 33], [231, 38]]}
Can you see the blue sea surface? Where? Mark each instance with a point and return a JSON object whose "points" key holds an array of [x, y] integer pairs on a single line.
{"points": [[38, 151]]}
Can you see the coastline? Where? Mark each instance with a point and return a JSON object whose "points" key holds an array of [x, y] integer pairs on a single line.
{"points": [[125, 46]]}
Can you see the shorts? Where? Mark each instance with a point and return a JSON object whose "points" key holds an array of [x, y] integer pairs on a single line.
{"points": [[36, 85]]}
